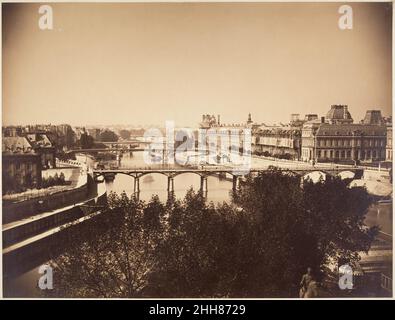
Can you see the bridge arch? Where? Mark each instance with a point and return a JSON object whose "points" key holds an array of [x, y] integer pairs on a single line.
{"points": [[316, 175], [346, 174], [142, 174], [193, 172]]}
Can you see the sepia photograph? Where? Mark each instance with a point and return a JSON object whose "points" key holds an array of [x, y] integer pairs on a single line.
{"points": [[199, 150]]}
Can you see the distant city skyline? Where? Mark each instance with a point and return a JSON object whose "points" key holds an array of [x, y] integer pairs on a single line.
{"points": [[138, 64], [285, 121]]}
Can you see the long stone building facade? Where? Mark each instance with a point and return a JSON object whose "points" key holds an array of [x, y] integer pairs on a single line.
{"points": [[283, 142], [216, 133], [335, 138], [389, 142], [21, 165]]}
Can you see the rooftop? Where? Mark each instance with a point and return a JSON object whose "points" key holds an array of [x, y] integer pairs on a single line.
{"points": [[339, 113], [326, 129], [19, 145]]}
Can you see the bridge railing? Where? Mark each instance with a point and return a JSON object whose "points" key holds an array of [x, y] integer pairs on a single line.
{"points": [[166, 168]]}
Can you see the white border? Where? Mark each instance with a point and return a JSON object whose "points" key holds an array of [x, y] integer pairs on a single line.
{"points": [[207, 1]]}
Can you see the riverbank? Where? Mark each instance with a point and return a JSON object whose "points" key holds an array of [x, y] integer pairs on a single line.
{"points": [[48, 199], [377, 183], [21, 260]]}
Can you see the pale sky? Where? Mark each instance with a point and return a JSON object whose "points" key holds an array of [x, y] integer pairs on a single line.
{"points": [[147, 63]]}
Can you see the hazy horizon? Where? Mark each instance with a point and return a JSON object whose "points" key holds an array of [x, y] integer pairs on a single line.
{"points": [[136, 64]]}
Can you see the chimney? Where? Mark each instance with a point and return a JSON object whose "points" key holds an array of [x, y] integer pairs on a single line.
{"points": [[322, 119], [345, 112], [219, 120]]}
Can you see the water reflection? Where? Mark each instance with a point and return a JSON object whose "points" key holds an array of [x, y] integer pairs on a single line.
{"points": [[218, 189], [380, 215]]}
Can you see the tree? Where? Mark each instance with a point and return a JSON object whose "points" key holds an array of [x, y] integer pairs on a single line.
{"points": [[297, 227], [62, 178], [257, 246], [86, 141], [113, 257], [124, 134], [196, 260], [108, 136]]}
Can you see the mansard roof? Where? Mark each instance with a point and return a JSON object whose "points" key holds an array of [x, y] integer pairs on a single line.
{"points": [[16, 145], [326, 129], [338, 112]]}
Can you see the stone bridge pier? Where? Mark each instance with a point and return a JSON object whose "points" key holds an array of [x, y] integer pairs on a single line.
{"points": [[170, 184], [235, 183], [136, 187], [203, 185]]}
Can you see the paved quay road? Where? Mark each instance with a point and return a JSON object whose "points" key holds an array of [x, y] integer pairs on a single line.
{"points": [[259, 162]]}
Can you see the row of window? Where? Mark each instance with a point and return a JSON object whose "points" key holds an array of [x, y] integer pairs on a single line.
{"points": [[346, 154], [347, 142]]}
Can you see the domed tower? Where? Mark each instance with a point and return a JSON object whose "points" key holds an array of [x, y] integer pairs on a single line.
{"points": [[338, 114]]}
